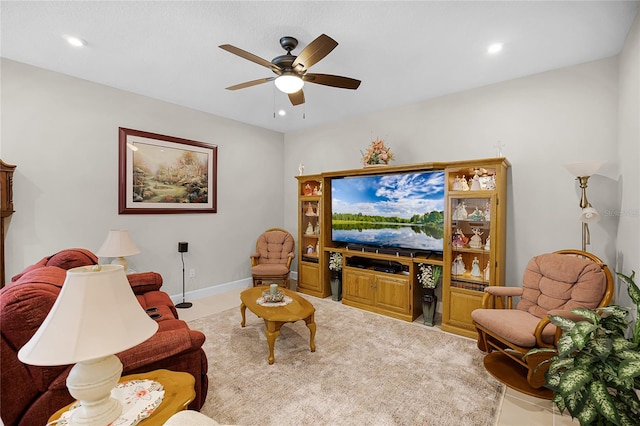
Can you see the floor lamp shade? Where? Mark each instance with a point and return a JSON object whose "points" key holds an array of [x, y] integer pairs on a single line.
{"points": [[118, 245], [95, 316]]}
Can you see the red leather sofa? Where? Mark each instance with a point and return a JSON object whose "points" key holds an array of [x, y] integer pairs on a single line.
{"points": [[30, 394]]}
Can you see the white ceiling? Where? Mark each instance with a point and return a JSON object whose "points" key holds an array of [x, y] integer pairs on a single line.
{"points": [[404, 52]]}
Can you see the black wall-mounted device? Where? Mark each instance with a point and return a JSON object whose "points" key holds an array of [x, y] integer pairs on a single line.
{"points": [[183, 247]]}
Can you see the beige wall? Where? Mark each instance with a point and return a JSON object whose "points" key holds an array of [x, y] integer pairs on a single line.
{"points": [[62, 133], [544, 121], [628, 241]]}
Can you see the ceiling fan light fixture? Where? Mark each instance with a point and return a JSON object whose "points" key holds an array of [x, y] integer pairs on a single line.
{"points": [[289, 83]]}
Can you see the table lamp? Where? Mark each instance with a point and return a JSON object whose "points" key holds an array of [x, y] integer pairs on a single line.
{"points": [[583, 171], [118, 245], [95, 316]]}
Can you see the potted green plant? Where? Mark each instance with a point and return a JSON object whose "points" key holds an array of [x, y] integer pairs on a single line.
{"points": [[429, 276], [595, 374], [335, 266]]}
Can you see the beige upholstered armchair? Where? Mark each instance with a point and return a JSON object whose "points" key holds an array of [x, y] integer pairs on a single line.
{"points": [[275, 249], [553, 284]]}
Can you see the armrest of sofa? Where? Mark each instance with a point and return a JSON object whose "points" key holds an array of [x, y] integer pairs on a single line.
{"points": [[172, 338], [144, 282]]}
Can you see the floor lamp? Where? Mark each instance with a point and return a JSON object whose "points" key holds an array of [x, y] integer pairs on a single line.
{"points": [[183, 247], [582, 172]]}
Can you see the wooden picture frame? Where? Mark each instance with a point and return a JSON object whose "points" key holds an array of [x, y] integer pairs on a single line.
{"points": [[161, 174]]}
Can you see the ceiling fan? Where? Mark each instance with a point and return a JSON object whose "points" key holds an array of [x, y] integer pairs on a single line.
{"points": [[291, 71]]}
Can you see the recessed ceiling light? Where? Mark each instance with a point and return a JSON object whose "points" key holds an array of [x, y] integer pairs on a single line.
{"points": [[75, 41], [494, 48], [282, 113]]}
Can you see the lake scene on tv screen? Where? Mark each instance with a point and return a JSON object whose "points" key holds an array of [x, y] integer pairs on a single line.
{"points": [[402, 210]]}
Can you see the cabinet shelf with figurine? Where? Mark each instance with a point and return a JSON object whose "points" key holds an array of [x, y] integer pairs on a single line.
{"points": [[474, 251], [310, 255]]}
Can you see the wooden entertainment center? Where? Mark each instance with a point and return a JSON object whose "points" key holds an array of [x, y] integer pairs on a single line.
{"points": [[385, 280]]}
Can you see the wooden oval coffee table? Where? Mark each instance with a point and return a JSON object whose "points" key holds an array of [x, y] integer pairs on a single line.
{"points": [[275, 316]]}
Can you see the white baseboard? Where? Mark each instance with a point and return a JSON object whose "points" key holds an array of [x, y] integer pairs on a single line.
{"points": [[213, 290], [220, 288]]}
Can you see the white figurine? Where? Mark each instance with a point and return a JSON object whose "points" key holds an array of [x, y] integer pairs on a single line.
{"points": [[310, 211], [486, 272], [458, 266], [315, 190], [309, 230], [317, 230], [487, 212], [476, 241], [300, 169], [464, 184], [475, 268], [457, 184], [491, 183], [487, 244], [460, 213], [320, 189], [475, 182]]}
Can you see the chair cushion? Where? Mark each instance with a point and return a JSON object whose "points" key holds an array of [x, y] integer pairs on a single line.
{"points": [[513, 325], [270, 269], [274, 246], [560, 281]]}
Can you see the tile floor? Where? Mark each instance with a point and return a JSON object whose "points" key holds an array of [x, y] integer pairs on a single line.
{"points": [[517, 408]]}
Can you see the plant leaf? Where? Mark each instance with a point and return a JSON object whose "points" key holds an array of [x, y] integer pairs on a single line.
{"points": [[587, 413], [589, 315], [601, 398], [629, 354], [633, 290], [565, 345], [564, 323], [621, 344], [560, 364], [601, 347], [628, 369], [581, 333], [574, 380]]}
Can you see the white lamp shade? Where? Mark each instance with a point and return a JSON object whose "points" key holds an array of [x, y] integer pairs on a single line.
{"points": [[589, 215], [117, 244], [586, 168], [288, 83], [95, 315]]}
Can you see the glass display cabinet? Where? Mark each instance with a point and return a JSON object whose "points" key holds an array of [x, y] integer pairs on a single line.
{"points": [[474, 250], [310, 254]]}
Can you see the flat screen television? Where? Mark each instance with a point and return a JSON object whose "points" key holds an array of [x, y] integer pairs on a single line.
{"points": [[402, 210]]}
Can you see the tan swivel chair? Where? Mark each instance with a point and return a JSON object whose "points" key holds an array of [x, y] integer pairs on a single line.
{"points": [[553, 284], [275, 249]]}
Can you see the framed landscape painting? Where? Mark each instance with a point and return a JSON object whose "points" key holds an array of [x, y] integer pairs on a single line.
{"points": [[165, 174]]}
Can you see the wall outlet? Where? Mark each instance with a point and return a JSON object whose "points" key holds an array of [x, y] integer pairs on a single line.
{"points": [[192, 273]]}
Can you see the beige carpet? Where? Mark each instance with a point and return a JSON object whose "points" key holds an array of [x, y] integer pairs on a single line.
{"points": [[367, 370]]}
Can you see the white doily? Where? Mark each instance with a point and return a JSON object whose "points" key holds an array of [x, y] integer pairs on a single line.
{"points": [[139, 399], [283, 302]]}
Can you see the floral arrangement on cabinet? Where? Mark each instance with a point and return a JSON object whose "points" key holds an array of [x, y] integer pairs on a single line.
{"points": [[429, 275], [377, 153], [335, 262]]}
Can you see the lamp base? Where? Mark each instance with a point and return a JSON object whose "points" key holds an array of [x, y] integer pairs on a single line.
{"points": [[121, 261], [184, 305], [91, 382]]}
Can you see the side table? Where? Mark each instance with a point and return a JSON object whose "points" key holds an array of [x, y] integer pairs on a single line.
{"points": [[179, 391]]}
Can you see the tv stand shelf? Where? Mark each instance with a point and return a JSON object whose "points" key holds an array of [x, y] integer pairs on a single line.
{"points": [[385, 279]]}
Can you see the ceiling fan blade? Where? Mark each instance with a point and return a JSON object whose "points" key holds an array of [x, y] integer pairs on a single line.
{"points": [[296, 98], [246, 55], [332, 80], [314, 52], [250, 83]]}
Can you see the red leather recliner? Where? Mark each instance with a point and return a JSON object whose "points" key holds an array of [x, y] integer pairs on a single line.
{"points": [[29, 395]]}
